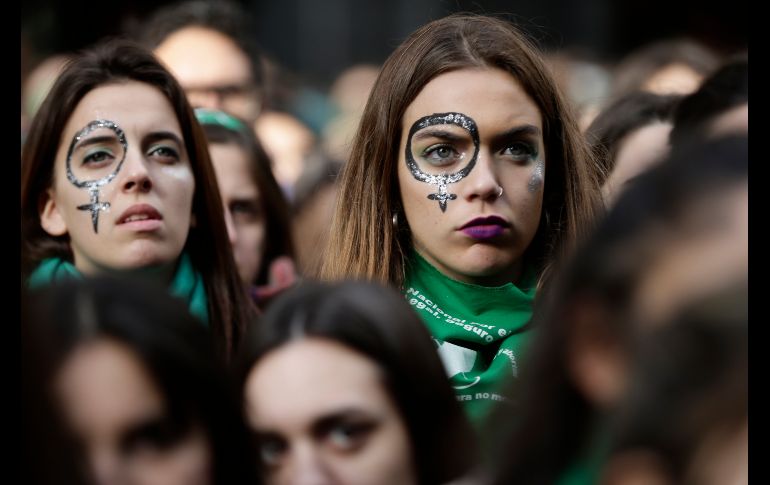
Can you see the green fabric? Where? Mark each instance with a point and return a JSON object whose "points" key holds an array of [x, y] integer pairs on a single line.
{"points": [[187, 283], [476, 329], [219, 118], [52, 270]]}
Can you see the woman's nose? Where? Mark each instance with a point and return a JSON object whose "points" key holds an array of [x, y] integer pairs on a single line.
{"points": [[137, 176], [306, 467], [482, 181]]}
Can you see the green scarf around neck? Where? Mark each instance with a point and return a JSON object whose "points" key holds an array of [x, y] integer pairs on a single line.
{"points": [[479, 331], [186, 284]]}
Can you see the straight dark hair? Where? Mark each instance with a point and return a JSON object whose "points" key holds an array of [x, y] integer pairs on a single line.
{"points": [[377, 323], [113, 62], [174, 348], [625, 115]]}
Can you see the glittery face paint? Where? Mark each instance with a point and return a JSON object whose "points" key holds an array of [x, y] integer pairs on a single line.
{"points": [[449, 141], [98, 150], [538, 177]]}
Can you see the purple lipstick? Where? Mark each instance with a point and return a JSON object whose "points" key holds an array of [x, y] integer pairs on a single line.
{"points": [[485, 227]]}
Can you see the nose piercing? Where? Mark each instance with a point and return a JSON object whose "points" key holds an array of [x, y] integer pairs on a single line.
{"points": [[500, 192]]}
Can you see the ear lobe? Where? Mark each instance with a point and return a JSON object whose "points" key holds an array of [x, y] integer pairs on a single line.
{"points": [[50, 218]]}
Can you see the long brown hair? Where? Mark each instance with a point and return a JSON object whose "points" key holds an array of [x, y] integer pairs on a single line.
{"points": [[377, 323], [363, 242], [117, 61]]}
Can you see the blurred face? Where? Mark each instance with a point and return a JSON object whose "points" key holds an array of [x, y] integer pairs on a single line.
{"points": [[118, 415], [122, 183], [711, 247], [731, 122], [214, 72], [331, 422], [288, 142], [243, 208], [471, 171], [638, 151], [674, 78]]}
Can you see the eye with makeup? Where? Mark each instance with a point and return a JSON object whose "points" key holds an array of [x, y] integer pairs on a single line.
{"points": [[98, 157], [520, 151], [165, 154], [441, 155]]}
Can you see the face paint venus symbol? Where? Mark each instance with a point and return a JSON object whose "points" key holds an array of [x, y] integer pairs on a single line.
{"points": [[442, 180], [93, 186]]}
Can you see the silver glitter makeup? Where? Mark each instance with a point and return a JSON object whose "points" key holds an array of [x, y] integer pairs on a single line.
{"points": [[93, 186], [538, 177], [442, 180]]}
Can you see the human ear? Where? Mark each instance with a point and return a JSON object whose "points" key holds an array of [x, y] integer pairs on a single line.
{"points": [[50, 217]]}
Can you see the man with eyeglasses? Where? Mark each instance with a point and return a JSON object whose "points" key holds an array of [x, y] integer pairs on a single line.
{"points": [[206, 46]]}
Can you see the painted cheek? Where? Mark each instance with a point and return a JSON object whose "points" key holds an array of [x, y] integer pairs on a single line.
{"points": [[181, 172], [537, 179]]}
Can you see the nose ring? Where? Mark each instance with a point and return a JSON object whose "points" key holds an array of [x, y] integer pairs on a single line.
{"points": [[500, 192]]}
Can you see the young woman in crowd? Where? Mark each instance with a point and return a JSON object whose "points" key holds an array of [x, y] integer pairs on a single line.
{"points": [[116, 178], [468, 178]]}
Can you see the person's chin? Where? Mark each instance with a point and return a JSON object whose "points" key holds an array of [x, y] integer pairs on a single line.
{"points": [[488, 268], [148, 256]]}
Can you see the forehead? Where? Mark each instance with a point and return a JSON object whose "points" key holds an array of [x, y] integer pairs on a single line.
{"points": [[105, 382], [337, 378], [201, 56], [492, 97], [232, 165], [132, 106]]}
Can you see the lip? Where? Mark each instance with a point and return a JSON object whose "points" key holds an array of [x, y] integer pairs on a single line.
{"points": [[482, 228], [152, 222]]}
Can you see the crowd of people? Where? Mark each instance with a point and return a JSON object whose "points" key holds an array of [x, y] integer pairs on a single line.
{"points": [[470, 274]]}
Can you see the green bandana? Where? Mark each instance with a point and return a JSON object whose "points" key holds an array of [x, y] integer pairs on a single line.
{"points": [[187, 283], [478, 330], [219, 118]]}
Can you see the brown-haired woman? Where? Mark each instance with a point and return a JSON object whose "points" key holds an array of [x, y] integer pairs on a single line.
{"points": [[468, 177], [116, 177]]}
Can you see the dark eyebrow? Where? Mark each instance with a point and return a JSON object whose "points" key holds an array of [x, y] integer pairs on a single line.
{"points": [[160, 430], [442, 134], [523, 130], [96, 140], [163, 135], [321, 426], [325, 423]]}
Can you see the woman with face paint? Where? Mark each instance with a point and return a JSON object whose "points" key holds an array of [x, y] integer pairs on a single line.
{"points": [[468, 177], [256, 212], [116, 178]]}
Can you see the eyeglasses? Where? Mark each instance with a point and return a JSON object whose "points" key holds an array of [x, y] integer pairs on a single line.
{"points": [[239, 99], [224, 91]]}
